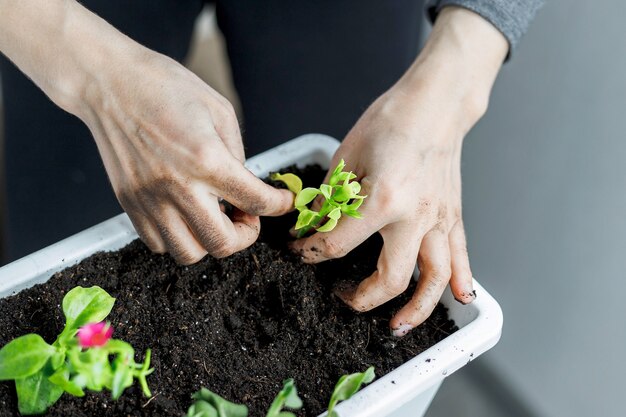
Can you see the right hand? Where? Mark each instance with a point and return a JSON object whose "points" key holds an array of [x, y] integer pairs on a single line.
{"points": [[172, 149]]}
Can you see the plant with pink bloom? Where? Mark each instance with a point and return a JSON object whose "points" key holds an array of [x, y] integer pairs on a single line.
{"points": [[94, 334], [84, 356]]}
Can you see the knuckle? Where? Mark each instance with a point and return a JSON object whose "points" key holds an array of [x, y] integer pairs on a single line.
{"points": [[391, 201], [224, 250], [187, 258], [394, 284], [440, 272], [204, 159], [260, 204], [226, 115], [217, 245], [333, 248]]}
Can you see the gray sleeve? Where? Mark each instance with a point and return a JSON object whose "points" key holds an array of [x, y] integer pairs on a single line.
{"points": [[511, 17]]}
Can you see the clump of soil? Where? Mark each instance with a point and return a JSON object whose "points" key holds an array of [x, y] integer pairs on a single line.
{"points": [[238, 326]]}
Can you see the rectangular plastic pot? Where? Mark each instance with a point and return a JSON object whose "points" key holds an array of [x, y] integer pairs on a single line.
{"points": [[406, 391]]}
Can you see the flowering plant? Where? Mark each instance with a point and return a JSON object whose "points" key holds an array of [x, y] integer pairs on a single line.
{"points": [[84, 356]]}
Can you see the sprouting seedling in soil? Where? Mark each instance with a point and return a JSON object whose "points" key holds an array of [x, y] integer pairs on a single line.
{"points": [[286, 398], [209, 404], [347, 386], [84, 356], [341, 196]]}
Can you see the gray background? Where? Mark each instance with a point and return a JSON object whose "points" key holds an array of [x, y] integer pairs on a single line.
{"points": [[545, 211]]}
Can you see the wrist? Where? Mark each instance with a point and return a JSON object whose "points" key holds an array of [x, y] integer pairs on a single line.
{"points": [[61, 46], [458, 65], [97, 54]]}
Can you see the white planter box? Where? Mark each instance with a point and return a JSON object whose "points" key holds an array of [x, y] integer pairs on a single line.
{"points": [[406, 391]]}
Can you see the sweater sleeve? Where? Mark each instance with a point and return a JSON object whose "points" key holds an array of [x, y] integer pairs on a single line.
{"points": [[511, 17]]}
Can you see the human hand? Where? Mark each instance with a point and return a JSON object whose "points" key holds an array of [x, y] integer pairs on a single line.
{"points": [[172, 148], [406, 152], [170, 144]]}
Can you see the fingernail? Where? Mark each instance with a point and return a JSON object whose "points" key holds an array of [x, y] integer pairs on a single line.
{"points": [[402, 330], [466, 297]]}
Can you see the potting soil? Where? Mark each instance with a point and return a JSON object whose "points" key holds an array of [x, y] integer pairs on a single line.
{"points": [[238, 326]]}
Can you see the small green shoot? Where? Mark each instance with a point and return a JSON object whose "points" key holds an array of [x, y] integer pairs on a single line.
{"points": [[287, 398], [347, 386], [83, 357], [209, 404], [341, 196]]}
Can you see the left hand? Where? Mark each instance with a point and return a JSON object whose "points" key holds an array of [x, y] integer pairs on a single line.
{"points": [[406, 152]]}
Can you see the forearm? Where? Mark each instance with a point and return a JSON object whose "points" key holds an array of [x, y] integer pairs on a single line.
{"points": [[59, 44], [460, 62]]}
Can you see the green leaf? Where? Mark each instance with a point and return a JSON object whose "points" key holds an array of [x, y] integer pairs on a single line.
{"points": [[356, 203], [223, 407], [57, 360], [61, 378], [24, 356], [326, 191], [122, 379], [343, 176], [36, 393], [334, 177], [86, 305], [347, 386], [287, 397], [353, 213], [305, 218], [292, 181], [202, 409], [305, 196], [342, 194], [328, 226], [355, 188], [334, 213]]}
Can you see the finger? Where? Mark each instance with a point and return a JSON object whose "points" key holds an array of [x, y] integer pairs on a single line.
{"points": [[229, 132], [217, 234], [461, 282], [395, 267], [247, 228], [347, 235], [434, 264], [147, 232], [180, 243], [248, 193]]}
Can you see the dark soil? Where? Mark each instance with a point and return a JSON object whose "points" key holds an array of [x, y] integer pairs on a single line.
{"points": [[238, 326]]}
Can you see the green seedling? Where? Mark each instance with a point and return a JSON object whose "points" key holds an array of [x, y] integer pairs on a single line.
{"points": [[209, 404], [286, 398], [347, 386], [82, 357], [340, 196]]}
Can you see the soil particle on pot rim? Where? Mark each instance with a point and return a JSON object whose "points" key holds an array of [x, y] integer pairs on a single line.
{"points": [[238, 326]]}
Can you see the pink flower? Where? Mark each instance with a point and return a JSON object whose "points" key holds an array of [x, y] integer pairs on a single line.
{"points": [[94, 334]]}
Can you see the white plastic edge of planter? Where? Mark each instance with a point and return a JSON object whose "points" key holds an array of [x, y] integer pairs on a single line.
{"points": [[480, 323]]}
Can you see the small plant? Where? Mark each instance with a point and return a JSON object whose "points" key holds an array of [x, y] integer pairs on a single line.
{"points": [[341, 196], [84, 356], [287, 398], [209, 404], [347, 386]]}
